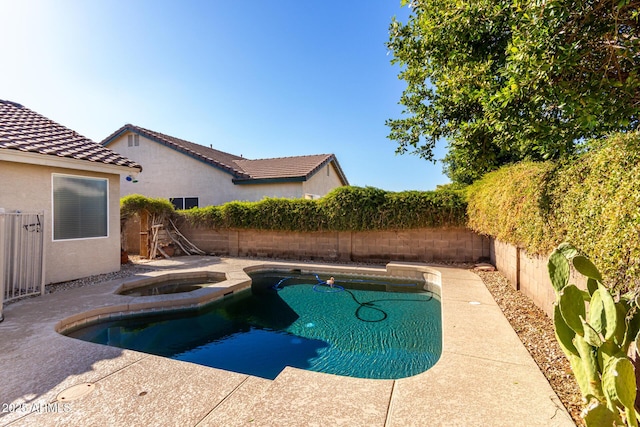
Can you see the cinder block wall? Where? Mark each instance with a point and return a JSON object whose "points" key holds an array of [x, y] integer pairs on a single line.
{"points": [[505, 257], [529, 274], [421, 245], [526, 273]]}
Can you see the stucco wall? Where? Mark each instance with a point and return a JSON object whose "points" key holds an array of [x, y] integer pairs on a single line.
{"points": [[323, 181], [255, 192], [29, 188], [168, 173]]}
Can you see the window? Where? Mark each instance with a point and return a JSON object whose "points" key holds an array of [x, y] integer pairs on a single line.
{"points": [[133, 140], [80, 207], [178, 202], [190, 202], [184, 202]]}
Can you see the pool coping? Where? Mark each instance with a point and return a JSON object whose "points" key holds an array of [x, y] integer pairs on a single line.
{"points": [[485, 376]]}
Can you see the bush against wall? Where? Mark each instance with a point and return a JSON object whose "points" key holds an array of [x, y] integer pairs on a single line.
{"points": [[345, 208], [135, 203], [592, 201], [597, 205], [508, 204]]}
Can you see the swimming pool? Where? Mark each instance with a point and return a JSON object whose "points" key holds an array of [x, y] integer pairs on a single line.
{"points": [[366, 327]]}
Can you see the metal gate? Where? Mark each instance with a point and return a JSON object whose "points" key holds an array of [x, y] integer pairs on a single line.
{"points": [[21, 255]]}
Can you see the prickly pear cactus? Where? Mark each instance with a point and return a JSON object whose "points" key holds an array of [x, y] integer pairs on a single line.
{"points": [[596, 341]]}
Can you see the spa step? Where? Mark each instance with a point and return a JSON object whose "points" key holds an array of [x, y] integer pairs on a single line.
{"points": [[236, 409]]}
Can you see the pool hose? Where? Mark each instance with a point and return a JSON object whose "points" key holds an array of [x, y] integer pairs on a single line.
{"points": [[367, 304], [323, 287], [277, 286]]}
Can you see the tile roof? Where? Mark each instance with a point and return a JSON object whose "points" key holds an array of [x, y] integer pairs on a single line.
{"points": [[243, 170], [284, 167], [25, 130], [216, 158]]}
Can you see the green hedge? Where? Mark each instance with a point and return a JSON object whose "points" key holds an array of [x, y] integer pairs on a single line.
{"points": [[592, 201], [268, 214], [135, 203], [345, 208], [508, 205]]}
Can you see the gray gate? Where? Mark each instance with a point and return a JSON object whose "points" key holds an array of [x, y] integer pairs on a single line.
{"points": [[21, 255]]}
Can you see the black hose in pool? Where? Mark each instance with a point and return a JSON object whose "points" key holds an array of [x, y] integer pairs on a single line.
{"points": [[361, 305]]}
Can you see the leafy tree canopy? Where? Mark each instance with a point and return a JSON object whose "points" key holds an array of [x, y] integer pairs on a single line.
{"points": [[504, 81]]}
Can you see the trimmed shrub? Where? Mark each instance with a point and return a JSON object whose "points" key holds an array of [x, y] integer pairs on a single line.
{"points": [[596, 201], [135, 203], [354, 208], [509, 204], [345, 208], [592, 201]]}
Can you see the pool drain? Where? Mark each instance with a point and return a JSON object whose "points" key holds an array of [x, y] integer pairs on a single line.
{"points": [[75, 392]]}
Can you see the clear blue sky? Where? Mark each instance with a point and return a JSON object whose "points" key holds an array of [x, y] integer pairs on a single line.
{"points": [[258, 78]]}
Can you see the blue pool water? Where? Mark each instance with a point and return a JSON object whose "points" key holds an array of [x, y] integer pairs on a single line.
{"points": [[362, 327]]}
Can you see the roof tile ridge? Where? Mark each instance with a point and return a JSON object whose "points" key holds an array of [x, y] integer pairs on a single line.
{"points": [[15, 104], [175, 141], [169, 137], [325, 155]]}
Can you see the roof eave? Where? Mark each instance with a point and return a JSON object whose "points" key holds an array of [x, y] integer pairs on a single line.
{"points": [[329, 160], [341, 173], [108, 140], [281, 180], [131, 128], [17, 156]]}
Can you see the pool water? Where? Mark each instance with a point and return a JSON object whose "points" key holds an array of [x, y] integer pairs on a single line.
{"points": [[353, 329], [169, 287]]}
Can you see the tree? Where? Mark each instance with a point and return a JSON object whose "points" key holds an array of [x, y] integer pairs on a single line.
{"points": [[504, 81]]}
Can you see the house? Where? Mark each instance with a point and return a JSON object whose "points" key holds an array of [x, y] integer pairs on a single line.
{"points": [[74, 185], [193, 175]]}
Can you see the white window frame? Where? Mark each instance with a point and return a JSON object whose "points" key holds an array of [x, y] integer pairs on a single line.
{"points": [[133, 140], [53, 211]]}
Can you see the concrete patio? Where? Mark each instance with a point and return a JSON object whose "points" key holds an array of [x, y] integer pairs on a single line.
{"points": [[485, 376]]}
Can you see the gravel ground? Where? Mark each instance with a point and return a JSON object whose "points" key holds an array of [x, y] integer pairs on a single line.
{"points": [[536, 332], [532, 325], [126, 270], [136, 266]]}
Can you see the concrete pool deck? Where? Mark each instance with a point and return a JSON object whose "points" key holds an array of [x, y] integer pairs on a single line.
{"points": [[485, 376]]}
